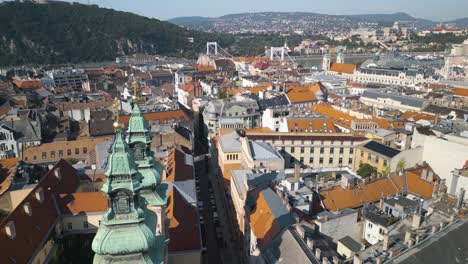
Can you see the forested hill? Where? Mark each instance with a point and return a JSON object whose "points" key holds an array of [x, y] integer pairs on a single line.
{"points": [[69, 33]]}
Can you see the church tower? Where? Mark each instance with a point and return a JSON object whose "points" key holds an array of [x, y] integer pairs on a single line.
{"points": [[326, 64], [340, 58], [128, 232]]}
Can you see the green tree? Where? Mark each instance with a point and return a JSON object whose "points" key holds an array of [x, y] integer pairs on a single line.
{"points": [[400, 166], [365, 170]]}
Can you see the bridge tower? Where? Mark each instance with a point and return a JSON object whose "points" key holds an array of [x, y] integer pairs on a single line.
{"points": [[212, 48]]}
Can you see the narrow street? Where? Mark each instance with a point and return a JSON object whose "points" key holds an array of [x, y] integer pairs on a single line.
{"points": [[212, 254]]}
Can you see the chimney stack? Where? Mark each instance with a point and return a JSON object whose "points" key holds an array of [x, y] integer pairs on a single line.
{"points": [[297, 171], [435, 191], [416, 220], [318, 253], [381, 203], [300, 231], [408, 239], [310, 243], [378, 260], [336, 260], [442, 186], [461, 196], [386, 242], [357, 259], [325, 261]]}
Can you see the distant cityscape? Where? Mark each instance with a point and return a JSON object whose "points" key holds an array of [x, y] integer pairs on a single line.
{"points": [[344, 139]]}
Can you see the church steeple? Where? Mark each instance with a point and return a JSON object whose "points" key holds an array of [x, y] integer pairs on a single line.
{"points": [[129, 232]]}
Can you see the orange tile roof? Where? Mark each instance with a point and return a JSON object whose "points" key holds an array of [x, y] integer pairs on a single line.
{"points": [[356, 84], [329, 111], [460, 91], [304, 93], [416, 116], [259, 130], [412, 180], [32, 229], [339, 198], [164, 117], [183, 223], [27, 84], [343, 68], [203, 68], [310, 125], [254, 90], [262, 221], [251, 59], [83, 202], [176, 168], [55, 147], [7, 169]]}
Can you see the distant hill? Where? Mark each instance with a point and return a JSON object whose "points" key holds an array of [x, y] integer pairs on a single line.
{"points": [[283, 21], [190, 20], [461, 22], [69, 33], [390, 18]]}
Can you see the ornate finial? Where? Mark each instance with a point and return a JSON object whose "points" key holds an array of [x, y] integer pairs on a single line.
{"points": [[135, 91], [117, 124]]}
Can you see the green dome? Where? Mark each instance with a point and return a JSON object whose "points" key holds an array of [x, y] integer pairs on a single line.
{"points": [[123, 240]]}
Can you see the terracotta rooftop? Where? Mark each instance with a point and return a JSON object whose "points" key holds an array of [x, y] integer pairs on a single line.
{"points": [[7, 169], [416, 116], [304, 93], [27, 84], [164, 117], [82, 202], [179, 166], [460, 91], [311, 125], [339, 198], [31, 229], [54, 151], [343, 68], [184, 223]]}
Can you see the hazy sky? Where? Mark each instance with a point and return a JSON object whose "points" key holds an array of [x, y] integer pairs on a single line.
{"points": [[165, 9]]}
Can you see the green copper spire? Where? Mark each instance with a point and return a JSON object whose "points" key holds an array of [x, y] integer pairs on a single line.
{"points": [[137, 128], [124, 236], [139, 140]]}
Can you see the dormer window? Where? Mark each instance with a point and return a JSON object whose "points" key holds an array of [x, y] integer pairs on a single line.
{"points": [[27, 208], [10, 230], [40, 195], [58, 174]]}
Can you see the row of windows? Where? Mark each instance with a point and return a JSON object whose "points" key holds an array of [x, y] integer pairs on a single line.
{"points": [[321, 160], [302, 142], [85, 225], [372, 158], [232, 156], [312, 150], [60, 153]]}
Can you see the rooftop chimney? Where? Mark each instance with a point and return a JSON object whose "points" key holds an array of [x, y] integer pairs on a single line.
{"points": [[435, 191], [408, 239], [416, 220], [461, 196], [424, 174], [357, 259], [336, 260], [297, 171], [300, 231], [378, 260], [325, 261], [310, 243], [318, 253], [386, 242], [442, 186], [434, 229]]}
